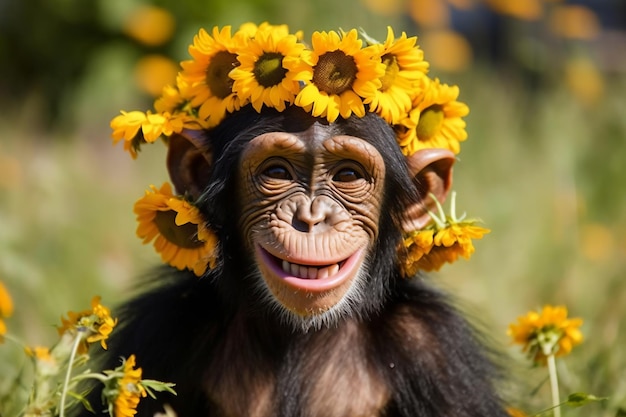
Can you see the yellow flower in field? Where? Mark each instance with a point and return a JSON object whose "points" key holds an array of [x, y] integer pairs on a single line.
{"points": [[404, 76], [128, 124], [150, 25], [93, 325], [214, 57], [341, 75], [179, 233], [435, 120], [153, 71], [548, 332], [126, 390], [516, 412], [38, 352], [269, 65], [45, 362], [6, 309], [443, 241]]}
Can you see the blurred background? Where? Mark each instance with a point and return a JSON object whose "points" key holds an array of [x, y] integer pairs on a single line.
{"points": [[544, 165]]}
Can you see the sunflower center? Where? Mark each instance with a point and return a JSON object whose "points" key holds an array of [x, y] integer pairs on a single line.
{"points": [[430, 122], [391, 71], [269, 70], [184, 236], [217, 71], [335, 72]]}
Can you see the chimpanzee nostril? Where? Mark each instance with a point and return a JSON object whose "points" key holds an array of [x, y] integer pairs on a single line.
{"points": [[311, 215]]}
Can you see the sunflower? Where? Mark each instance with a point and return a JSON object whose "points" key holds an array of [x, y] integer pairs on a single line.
{"points": [[264, 78], [214, 56], [174, 97], [435, 120], [404, 76], [137, 128], [545, 333], [340, 76], [177, 228]]}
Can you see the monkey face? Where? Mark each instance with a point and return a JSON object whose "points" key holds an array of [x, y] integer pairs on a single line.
{"points": [[310, 209]]}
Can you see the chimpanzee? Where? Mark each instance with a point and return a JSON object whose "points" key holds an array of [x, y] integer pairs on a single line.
{"points": [[307, 311]]}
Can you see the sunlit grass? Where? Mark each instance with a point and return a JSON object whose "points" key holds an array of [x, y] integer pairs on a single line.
{"points": [[544, 171]]}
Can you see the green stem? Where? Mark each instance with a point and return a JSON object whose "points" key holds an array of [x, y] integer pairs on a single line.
{"points": [[98, 377], [554, 385], [14, 339], [68, 374]]}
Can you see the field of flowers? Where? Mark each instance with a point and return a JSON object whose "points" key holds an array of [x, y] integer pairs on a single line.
{"points": [[543, 167]]}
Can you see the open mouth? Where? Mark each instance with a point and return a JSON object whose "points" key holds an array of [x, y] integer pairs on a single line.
{"points": [[311, 277]]}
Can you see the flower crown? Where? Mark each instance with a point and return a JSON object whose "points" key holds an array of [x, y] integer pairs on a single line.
{"points": [[339, 75]]}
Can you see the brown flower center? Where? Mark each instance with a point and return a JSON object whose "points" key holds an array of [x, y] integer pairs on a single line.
{"points": [[217, 77], [184, 236], [335, 72], [391, 71], [430, 122], [268, 70]]}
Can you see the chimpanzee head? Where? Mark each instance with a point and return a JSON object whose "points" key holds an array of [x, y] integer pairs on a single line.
{"points": [[311, 212]]}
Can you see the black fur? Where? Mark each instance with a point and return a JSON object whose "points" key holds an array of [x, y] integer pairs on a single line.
{"points": [[214, 337]]}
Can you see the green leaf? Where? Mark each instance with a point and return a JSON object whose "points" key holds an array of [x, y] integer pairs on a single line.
{"points": [[578, 399]]}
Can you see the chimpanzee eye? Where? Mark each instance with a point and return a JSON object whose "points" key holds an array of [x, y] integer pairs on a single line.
{"points": [[348, 174], [277, 172]]}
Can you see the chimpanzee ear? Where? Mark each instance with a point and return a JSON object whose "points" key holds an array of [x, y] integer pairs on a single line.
{"points": [[431, 170], [189, 162]]}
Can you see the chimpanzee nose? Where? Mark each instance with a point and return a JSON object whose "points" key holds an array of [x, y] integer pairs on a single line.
{"points": [[312, 214]]}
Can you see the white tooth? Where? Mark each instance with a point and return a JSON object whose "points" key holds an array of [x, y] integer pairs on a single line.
{"points": [[333, 269], [322, 273], [286, 267], [295, 269], [312, 273], [304, 272]]}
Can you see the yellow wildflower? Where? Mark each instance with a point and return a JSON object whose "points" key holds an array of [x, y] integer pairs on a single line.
{"points": [[443, 241], [45, 362], [93, 325], [548, 332], [515, 412], [6, 308], [128, 390]]}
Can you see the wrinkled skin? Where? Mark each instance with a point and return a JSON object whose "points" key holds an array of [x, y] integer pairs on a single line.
{"points": [[310, 214]]}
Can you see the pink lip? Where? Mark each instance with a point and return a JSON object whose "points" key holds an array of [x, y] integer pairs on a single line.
{"points": [[313, 285]]}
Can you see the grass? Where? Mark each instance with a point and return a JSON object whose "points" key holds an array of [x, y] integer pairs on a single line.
{"points": [[544, 171]]}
